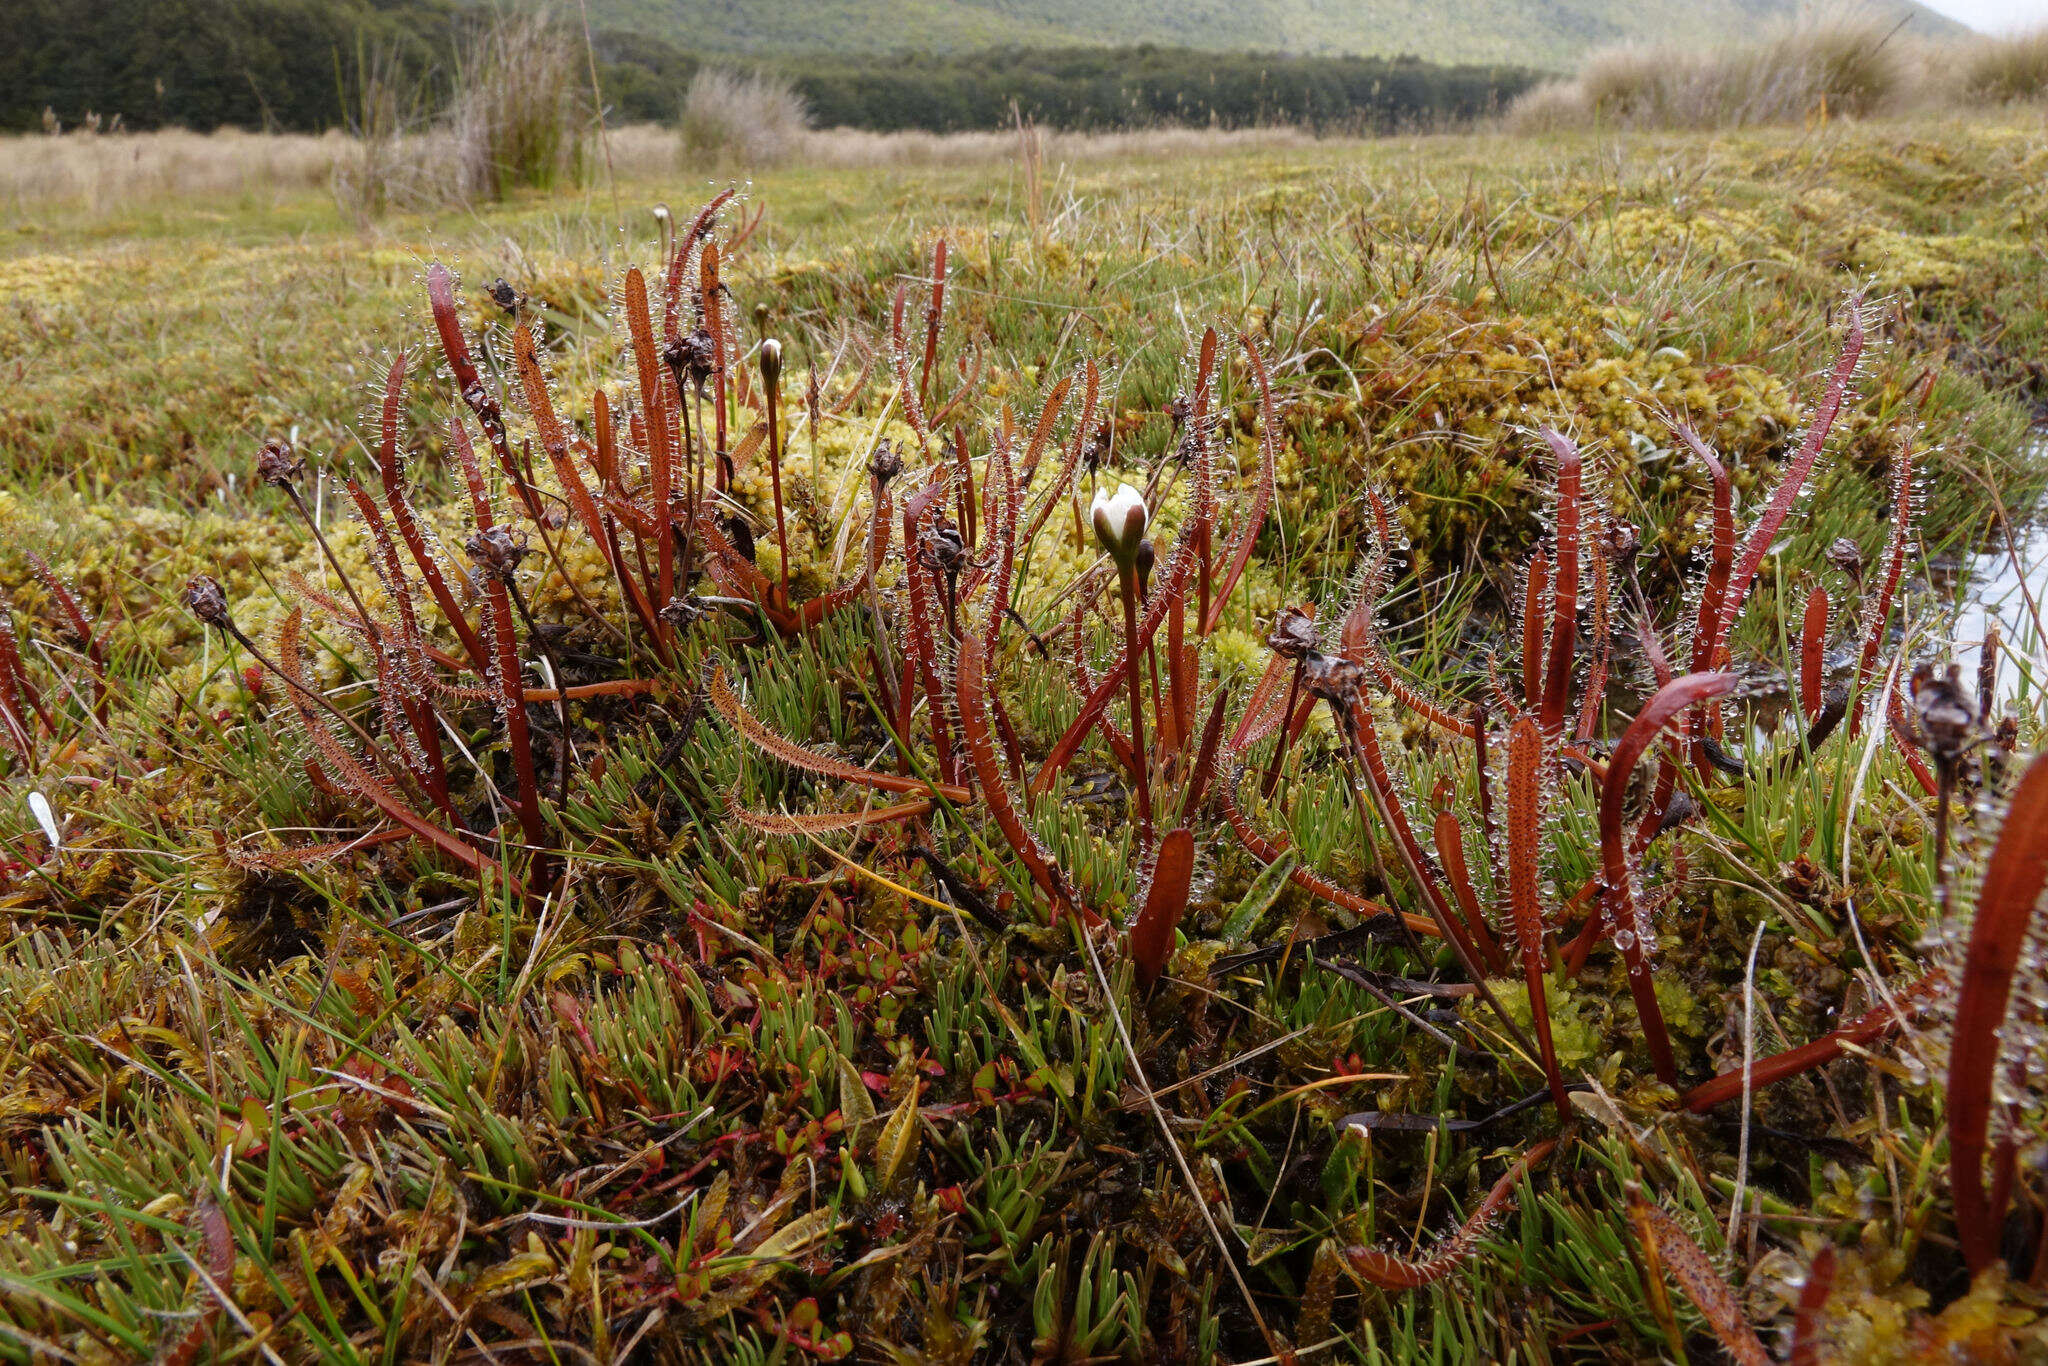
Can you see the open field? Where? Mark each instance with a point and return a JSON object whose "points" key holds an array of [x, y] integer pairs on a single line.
{"points": [[379, 1001]]}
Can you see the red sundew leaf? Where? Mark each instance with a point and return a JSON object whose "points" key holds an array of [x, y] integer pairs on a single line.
{"points": [[972, 703], [219, 1242], [1721, 554], [1525, 830], [1828, 1047], [1879, 611], [1205, 753], [676, 268], [1670, 1244], [392, 475], [1535, 587], [2006, 903], [1262, 492], [660, 459], [441, 295], [1151, 935], [1797, 471], [1450, 852], [1813, 640], [826, 823], [357, 778], [1091, 384], [1557, 681], [1256, 723], [899, 358], [1902, 734], [1603, 645], [1618, 881], [1267, 848], [934, 314], [727, 704], [1813, 1298], [1390, 1272], [1394, 814]]}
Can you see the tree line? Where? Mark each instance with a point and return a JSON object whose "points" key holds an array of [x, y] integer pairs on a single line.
{"points": [[1114, 88], [295, 65]]}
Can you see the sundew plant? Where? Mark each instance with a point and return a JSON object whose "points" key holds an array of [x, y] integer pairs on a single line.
{"points": [[801, 842]]}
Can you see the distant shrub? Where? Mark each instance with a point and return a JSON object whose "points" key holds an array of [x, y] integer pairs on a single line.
{"points": [[521, 114], [1829, 62], [749, 118], [2006, 70], [1553, 107]]}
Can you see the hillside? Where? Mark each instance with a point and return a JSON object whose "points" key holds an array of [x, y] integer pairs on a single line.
{"points": [[1545, 32]]}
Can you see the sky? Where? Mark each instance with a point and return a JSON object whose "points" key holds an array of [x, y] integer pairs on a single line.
{"points": [[1993, 16]]}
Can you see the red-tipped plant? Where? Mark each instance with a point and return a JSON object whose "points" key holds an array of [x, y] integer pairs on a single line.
{"points": [[2006, 903]]}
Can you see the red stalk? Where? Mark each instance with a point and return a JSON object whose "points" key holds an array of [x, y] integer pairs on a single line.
{"points": [[1618, 879], [2013, 883]]}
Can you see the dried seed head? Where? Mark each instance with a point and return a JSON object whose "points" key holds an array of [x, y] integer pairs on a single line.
{"points": [[504, 296], [1333, 678], [683, 612], [1947, 717], [205, 599], [887, 464], [1294, 634], [1621, 544], [480, 402], [1847, 556], [1147, 557], [277, 464], [497, 552], [692, 356], [1095, 449], [942, 549]]}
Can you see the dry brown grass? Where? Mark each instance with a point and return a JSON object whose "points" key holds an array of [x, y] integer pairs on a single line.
{"points": [[82, 170]]}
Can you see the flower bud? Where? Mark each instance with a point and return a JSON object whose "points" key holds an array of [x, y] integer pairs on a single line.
{"points": [[1120, 523], [771, 362]]}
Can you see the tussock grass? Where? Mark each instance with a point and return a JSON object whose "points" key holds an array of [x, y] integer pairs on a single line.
{"points": [[741, 118], [1830, 62], [2009, 69], [521, 114]]}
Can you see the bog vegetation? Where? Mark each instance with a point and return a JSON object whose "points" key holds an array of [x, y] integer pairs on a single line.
{"points": [[1347, 753]]}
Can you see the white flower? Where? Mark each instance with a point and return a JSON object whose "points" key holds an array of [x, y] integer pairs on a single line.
{"points": [[1120, 520]]}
